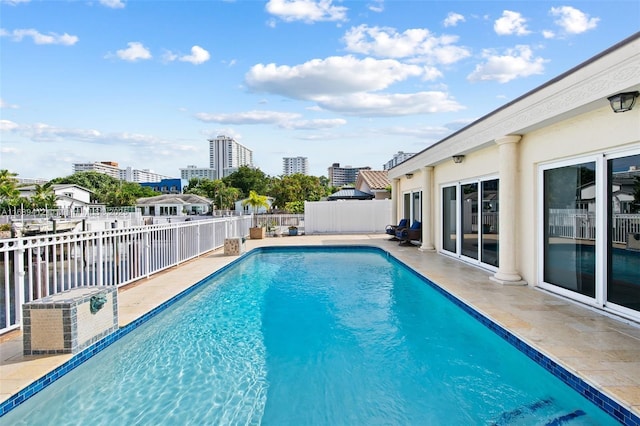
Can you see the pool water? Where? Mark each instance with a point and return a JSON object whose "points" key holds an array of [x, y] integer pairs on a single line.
{"points": [[310, 337]]}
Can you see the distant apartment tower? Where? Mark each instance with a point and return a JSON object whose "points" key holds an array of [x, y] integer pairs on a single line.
{"points": [[192, 172], [146, 175], [397, 159], [226, 156], [293, 165], [341, 176], [109, 168]]}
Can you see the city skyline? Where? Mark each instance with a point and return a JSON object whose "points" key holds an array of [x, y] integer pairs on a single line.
{"points": [[350, 82]]}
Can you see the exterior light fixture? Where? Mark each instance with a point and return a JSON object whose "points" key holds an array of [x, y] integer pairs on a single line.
{"points": [[458, 159], [409, 175], [623, 101]]}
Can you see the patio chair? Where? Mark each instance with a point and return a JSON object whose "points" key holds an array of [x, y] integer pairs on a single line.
{"points": [[391, 229], [407, 235]]}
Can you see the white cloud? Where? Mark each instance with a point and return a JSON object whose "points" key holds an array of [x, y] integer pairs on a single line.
{"points": [[573, 21], [283, 120], [113, 4], [376, 6], [13, 2], [306, 10], [8, 126], [452, 19], [372, 105], [336, 75], [511, 23], [417, 43], [6, 105], [134, 52], [515, 63], [198, 56], [548, 34], [320, 123], [249, 117], [39, 38]]}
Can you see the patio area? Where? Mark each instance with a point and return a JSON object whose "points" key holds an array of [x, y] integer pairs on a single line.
{"points": [[603, 351]]}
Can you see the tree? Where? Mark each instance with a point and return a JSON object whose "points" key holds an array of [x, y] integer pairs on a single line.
{"points": [[255, 201], [223, 196], [9, 193], [297, 188], [247, 179]]}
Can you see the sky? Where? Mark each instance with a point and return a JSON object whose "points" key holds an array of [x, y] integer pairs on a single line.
{"points": [[145, 83]]}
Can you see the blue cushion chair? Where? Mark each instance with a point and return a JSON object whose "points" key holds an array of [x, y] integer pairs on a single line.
{"points": [[391, 229], [414, 233]]}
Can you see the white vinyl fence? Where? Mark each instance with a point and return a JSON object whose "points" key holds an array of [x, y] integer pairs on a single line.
{"points": [[346, 216], [39, 266], [582, 225]]}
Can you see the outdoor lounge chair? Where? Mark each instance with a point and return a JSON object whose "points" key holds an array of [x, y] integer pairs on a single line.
{"points": [[391, 229], [414, 233]]}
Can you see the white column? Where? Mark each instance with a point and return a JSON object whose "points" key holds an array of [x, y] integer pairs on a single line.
{"points": [[395, 198], [427, 209], [508, 198]]}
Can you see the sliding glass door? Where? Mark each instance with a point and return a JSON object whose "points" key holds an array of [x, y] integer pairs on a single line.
{"points": [[470, 215], [590, 248]]}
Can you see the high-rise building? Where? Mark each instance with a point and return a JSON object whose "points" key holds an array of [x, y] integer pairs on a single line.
{"points": [[341, 176], [397, 159], [293, 165], [109, 168], [192, 172], [226, 156], [133, 175]]}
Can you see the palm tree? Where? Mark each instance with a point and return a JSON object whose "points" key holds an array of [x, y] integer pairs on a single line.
{"points": [[256, 201]]}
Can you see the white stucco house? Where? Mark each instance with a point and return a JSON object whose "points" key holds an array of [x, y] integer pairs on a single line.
{"points": [[68, 196], [533, 191], [174, 205]]}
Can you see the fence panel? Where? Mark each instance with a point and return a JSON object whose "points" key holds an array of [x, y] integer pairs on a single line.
{"points": [[40, 266]]}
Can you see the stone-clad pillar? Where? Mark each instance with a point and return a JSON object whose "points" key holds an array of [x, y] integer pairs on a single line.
{"points": [[508, 198], [427, 209]]}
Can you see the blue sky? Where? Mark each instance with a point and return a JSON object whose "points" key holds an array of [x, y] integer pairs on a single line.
{"points": [[145, 83]]}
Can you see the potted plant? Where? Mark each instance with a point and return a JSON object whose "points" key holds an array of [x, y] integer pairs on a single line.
{"points": [[255, 201], [293, 230]]}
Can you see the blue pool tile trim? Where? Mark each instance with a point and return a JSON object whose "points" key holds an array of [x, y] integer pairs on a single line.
{"points": [[608, 405]]}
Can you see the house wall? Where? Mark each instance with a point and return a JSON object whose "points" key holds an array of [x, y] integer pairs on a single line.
{"points": [[598, 132]]}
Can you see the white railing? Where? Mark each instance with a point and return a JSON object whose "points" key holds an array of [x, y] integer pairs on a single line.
{"points": [[582, 225], [39, 266]]}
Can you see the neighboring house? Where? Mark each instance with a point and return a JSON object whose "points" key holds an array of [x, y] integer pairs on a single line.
{"points": [[349, 193], [68, 196], [174, 205], [539, 191], [374, 182], [240, 207]]}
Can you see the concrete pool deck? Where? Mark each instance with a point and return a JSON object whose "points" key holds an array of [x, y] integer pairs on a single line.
{"points": [[603, 351]]}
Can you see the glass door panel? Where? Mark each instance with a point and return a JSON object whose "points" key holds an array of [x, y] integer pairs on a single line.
{"points": [[623, 248], [449, 228], [490, 231], [569, 227], [469, 210]]}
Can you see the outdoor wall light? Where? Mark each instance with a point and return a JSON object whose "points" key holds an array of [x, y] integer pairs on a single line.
{"points": [[409, 175], [623, 101], [458, 159]]}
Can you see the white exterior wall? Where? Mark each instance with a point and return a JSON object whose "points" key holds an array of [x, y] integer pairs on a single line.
{"points": [[346, 216]]}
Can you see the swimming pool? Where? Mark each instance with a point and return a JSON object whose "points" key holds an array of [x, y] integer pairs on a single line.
{"points": [[310, 336]]}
